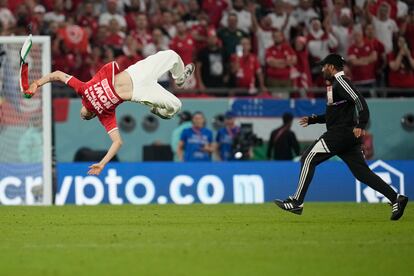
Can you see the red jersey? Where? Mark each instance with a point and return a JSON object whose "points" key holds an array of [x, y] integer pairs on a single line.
{"points": [[143, 38], [89, 22], [185, 48], [115, 40], [379, 47], [281, 51], [248, 67], [409, 35], [304, 76], [99, 96], [403, 77], [214, 9], [361, 73]]}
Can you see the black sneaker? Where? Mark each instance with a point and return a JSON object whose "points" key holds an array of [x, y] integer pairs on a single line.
{"points": [[290, 204], [398, 207]]}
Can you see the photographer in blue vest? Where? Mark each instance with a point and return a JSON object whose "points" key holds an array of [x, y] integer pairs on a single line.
{"points": [[196, 142]]}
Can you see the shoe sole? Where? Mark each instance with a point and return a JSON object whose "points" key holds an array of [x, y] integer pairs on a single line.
{"points": [[153, 111], [296, 211], [400, 214], [189, 76]]}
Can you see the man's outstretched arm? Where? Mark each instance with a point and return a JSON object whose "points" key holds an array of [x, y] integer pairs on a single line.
{"points": [[55, 76], [314, 119], [113, 150]]}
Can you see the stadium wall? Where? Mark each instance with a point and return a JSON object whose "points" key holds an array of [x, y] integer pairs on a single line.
{"points": [[391, 141]]}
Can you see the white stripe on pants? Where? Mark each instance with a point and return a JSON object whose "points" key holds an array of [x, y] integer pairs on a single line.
{"points": [[144, 75], [319, 147]]}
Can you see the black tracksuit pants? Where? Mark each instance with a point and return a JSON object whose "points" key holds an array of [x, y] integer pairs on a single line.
{"points": [[344, 144]]}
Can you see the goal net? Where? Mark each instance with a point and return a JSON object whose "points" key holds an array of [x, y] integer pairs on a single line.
{"points": [[25, 126]]}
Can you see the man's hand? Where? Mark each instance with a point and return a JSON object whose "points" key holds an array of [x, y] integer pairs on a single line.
{"points": [[95, 169], [359, 132], [32, 89], [304, 121]]}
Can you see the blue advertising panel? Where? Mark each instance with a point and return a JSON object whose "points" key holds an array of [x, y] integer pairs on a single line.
{"points": [[217, 182], [275, 107], [21, 183]]}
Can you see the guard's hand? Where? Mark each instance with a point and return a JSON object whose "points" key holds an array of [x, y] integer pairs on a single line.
{"points": [[359, 132], [95, 169], [304, 121]]}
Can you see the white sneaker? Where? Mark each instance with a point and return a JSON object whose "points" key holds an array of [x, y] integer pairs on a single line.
{"points": [[188, 72], [162, 113]]}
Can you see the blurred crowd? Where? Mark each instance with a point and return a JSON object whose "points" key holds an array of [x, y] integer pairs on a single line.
{"points": [[256, 46]]}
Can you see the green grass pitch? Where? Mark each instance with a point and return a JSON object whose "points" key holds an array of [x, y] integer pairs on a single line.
{"points": [[328, 239]]}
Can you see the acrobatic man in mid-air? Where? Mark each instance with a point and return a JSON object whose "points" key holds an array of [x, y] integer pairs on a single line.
{"points": [[111, 87]]}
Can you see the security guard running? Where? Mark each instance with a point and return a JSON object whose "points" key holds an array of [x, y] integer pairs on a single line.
{"points": [[346, 117]]}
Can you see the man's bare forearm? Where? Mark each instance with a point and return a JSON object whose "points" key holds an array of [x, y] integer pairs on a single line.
{"points": [[113, 150], [54, 76]]}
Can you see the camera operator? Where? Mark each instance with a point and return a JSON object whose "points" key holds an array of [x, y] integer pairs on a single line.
{"points": [[225, 137], [244, 142]]}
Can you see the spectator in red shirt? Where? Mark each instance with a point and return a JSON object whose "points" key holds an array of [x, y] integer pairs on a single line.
{"points": [[377, 45], [141, 32], [94, 61], [245, 67], [115, 37], [130, 54], [183, 43], [199, 31], [87, 18], [279, 60], [63, 58], [99, 38], [38, 23], [75, 37], [214, 9], [131, 13], [362, 57], [407, 28], [303, 77], [401, 63]]}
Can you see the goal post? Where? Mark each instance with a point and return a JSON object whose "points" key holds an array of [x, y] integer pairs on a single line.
{"points": [[25, 126]]}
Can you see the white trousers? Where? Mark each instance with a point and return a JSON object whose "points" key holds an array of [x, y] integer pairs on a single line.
{"points": [[146, 90]]}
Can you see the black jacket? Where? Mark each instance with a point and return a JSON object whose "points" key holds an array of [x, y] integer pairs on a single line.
{"points": [[282, 144], [346, 107]]}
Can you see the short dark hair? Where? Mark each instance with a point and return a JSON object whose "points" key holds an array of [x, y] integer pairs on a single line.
{"points": [[197, 113], [334, 59], [184, 116], [287, 118]]}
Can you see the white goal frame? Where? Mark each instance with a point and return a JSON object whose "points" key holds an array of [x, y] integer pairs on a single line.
{"points": [[46, 109]]}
